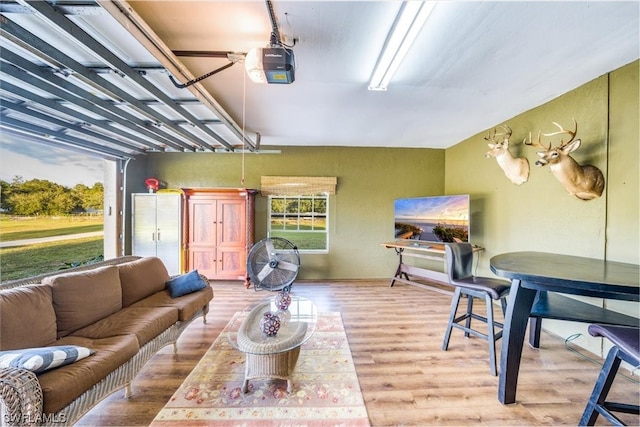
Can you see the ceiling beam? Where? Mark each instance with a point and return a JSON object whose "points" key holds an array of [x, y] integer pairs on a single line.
{"points": [[51, 14], [25, 110], [62, 88], [25, 77], [54, 105], [60, 136], [43, 48], [128, 18]]}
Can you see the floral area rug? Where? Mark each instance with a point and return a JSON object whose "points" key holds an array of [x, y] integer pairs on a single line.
{"points": [[325, 392]]}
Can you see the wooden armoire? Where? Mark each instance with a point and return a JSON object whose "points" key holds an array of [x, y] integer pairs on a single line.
{"points": [[218, 231]]}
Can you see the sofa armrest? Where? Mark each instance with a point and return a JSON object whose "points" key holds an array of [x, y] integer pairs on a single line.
{"points": [[20, 397]]}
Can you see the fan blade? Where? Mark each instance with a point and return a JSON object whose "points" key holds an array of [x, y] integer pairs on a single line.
{"points": [[270, 249], [284, 265], [266, 270]]}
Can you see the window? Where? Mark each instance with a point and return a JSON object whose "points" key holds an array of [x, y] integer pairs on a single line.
{"points": [[303, 220]]}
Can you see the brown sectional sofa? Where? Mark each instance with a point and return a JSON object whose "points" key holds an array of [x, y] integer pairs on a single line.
{"points": [[119, 309]]}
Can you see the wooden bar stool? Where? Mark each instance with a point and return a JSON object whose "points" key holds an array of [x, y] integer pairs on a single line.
{"points": [[626, 347], [459, 271]]}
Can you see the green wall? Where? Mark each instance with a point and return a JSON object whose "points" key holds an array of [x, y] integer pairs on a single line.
{"points": [[361, 211], [540, 215]]}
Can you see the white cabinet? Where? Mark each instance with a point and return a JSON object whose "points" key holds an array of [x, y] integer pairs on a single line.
{"points": [[157, 227]]}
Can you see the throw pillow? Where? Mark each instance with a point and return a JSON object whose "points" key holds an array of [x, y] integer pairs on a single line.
{"points": [[185, 284], [42, 359]]}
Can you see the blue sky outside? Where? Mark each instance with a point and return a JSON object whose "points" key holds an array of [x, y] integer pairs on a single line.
{"points": [[31, 160]]}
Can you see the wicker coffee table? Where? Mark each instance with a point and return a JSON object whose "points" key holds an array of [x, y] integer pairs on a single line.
{"points": [[275, 356]]}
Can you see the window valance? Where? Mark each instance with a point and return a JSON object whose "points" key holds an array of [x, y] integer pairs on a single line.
{"points": [[297, 185]]}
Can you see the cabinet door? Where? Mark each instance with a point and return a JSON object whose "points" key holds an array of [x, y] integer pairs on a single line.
{"points": [[231, 238], [204, 260], [202, 236], [168, 231], [202, 222], [231, 263], [231, 223], [143, 225]]}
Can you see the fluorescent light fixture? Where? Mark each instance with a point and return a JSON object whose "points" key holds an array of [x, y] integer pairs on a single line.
{"points": [[411, 17]]}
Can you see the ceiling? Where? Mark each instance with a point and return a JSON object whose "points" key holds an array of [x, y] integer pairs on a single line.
{"points": [[95, 77]]}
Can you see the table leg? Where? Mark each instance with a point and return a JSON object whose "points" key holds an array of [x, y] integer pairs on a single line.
{"points": [[399, 272], [535, 326], [513, 336]]}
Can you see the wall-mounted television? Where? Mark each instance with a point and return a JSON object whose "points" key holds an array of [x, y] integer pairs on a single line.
{"points": [[433, 219]]}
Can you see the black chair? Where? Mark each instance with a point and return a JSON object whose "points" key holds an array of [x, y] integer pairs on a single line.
{"points": [[626, 347], [459, 270]]}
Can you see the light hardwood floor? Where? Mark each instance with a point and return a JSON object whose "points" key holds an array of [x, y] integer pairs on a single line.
{"points": [[395, 335]]}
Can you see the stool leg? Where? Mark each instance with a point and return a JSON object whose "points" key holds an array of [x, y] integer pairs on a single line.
{"points": [[467, 323], [455, 301], [602, 387], [491, 335]]}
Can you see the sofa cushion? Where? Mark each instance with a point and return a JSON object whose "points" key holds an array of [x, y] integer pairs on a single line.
{"points": [[61, 386], [144, 323], [41, 359], [142, 278], [84, 297], [27, 318], [187, 305], [185, 284]]}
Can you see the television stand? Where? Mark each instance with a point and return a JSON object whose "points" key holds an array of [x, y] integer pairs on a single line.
{"points": [[420, 249]]}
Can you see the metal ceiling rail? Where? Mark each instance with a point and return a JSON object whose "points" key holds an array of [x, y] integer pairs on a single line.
{"points": [[50, 96], [72, 127], [64, 23], [53, 105], [128, 120], [18, 124], [123, 13]]}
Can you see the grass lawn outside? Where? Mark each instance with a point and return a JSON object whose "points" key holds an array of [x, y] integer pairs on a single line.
{"points": [[18, 228], [31, 260], [303, 240]]}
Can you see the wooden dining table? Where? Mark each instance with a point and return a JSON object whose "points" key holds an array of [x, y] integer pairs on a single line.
{"points": [[537, 281]]}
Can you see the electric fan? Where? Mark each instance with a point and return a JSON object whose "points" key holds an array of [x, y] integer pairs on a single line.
{"points": [[273, 264]]}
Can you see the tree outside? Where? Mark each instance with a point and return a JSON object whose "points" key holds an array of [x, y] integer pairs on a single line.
{"points": [[42, 197]]}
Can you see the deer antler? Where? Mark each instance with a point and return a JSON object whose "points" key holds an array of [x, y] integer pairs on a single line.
{"points": [[563, 131], [537, 143], [507, 134]]}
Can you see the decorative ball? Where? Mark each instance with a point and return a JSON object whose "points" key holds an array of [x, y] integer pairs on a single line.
{"points": [[270, 324], [282, 300]]}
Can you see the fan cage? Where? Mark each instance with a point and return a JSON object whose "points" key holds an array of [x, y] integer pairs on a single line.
{"points": [[273, 264]]}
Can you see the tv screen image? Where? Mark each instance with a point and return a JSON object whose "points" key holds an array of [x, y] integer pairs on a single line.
{"points": [[433, 219]]}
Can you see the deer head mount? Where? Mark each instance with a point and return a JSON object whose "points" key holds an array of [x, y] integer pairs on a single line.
{"points": [[516, 169], [584, 182]]}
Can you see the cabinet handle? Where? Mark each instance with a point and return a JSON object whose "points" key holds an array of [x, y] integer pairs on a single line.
{"points": [[158, 235], [153, 237]]}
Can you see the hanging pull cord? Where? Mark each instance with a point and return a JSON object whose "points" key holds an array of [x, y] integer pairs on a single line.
{"points": [[196, 80], [244, 118]]}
